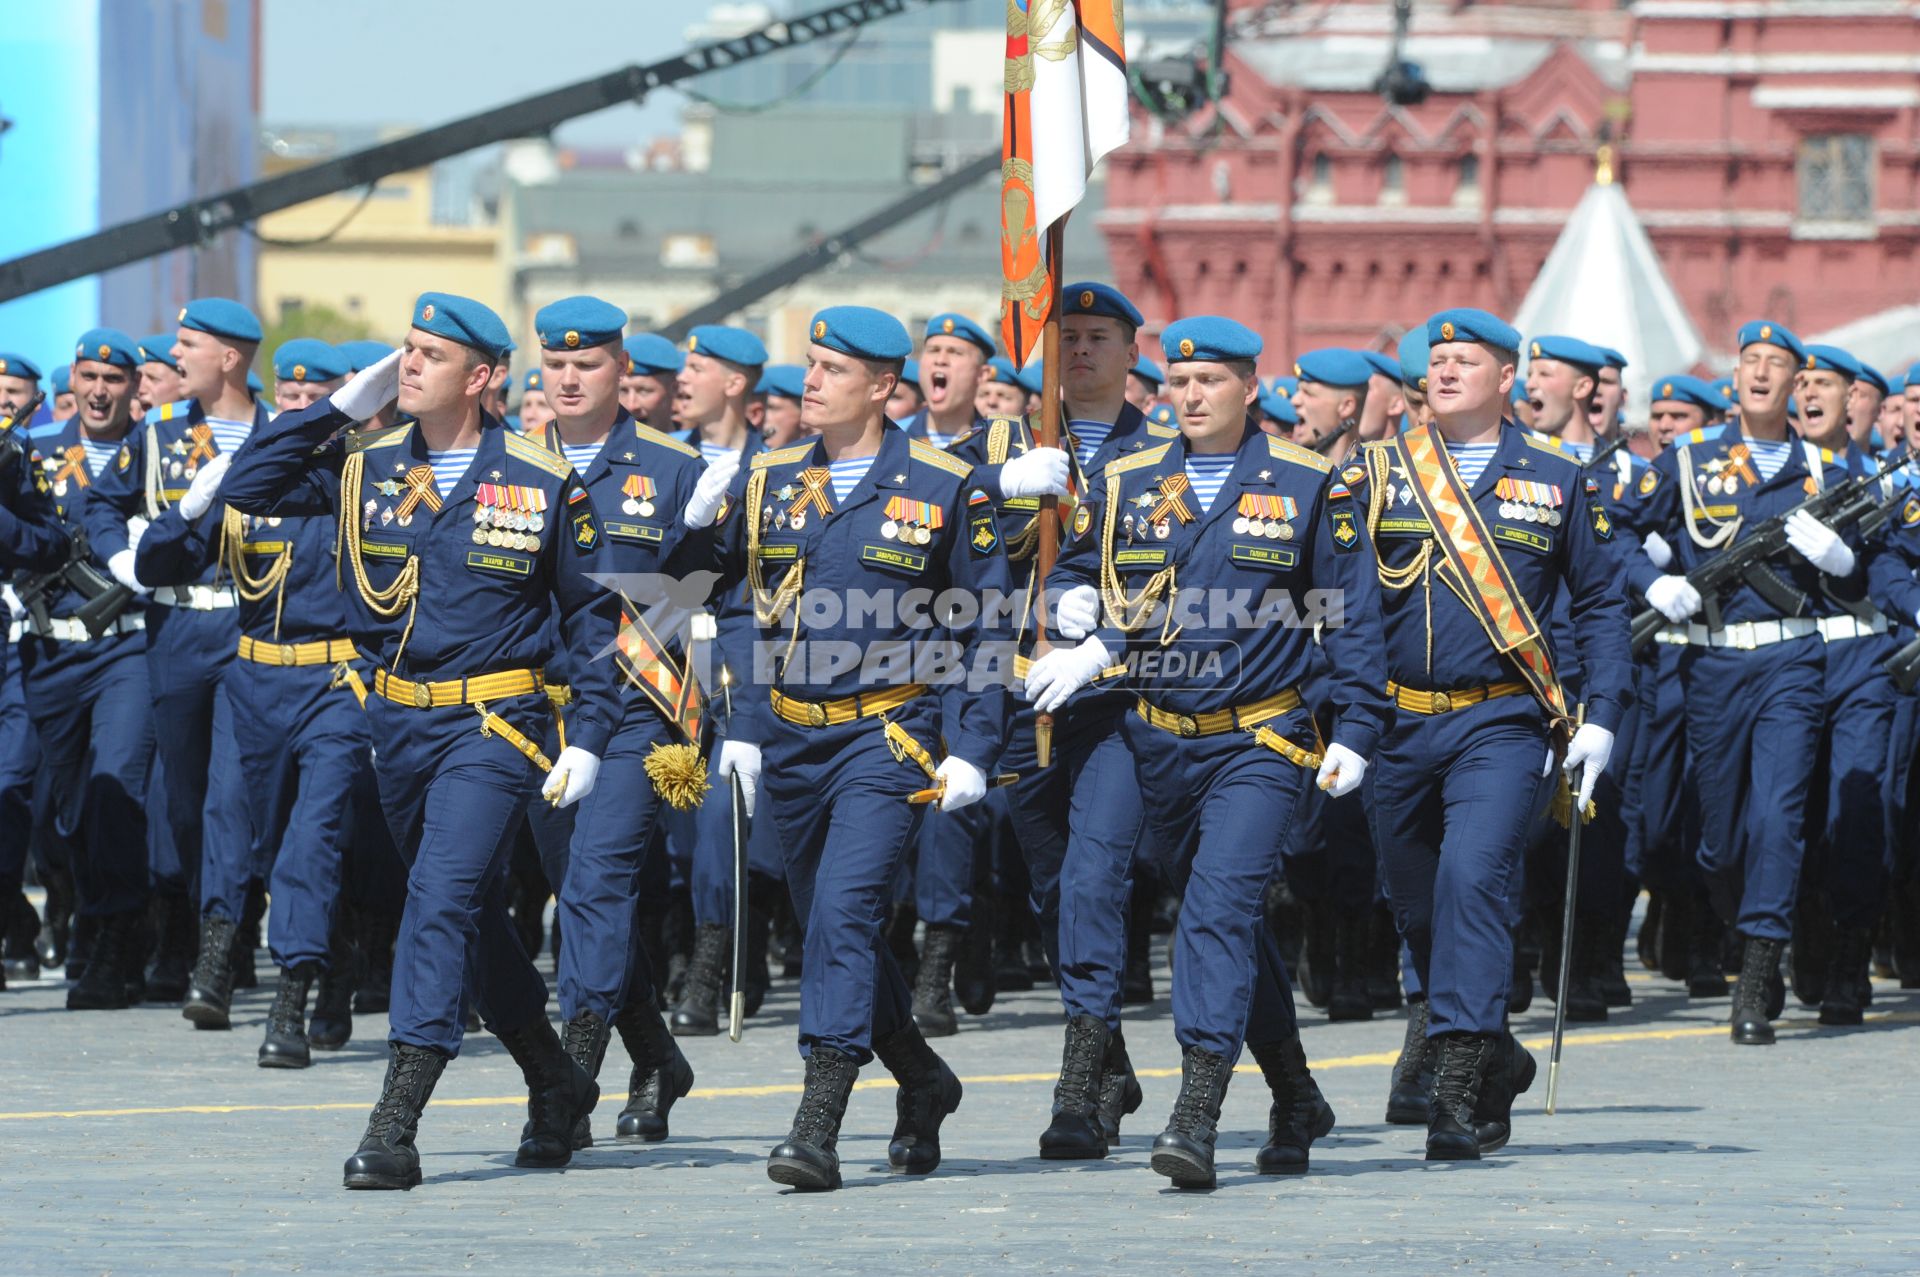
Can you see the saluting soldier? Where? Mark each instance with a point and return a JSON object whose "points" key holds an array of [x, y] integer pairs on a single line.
{"points": [[1222, 743], [836, 538], [467, 551]]}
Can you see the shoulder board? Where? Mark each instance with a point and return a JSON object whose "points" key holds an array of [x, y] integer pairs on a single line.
{"points": [[362, 440], [1139, 460], [1826, 455], [1287, 450], [538, 456], [179, 410], [963, 436], [1697, 436], [780, 456], [660, 438], [1163, 432], [1547, 443], [922, 451]]}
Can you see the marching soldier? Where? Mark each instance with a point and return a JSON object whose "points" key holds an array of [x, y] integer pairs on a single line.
{"points": [[466, 550], [1144, 380], [536, 414], [64, 402], [1331, 397], [850, 723], [160, 381], [953, 365]]}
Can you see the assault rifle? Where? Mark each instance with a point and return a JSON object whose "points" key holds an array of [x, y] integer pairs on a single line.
{"points": [[103, 599]]}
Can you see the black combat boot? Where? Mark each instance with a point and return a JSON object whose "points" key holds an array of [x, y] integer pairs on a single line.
{"points": [[1509, 1075], [103, 982], [560, 1095], [286, 1045], [698, 1013], [807, 1160], [373, 936], [1410, 1091], [1848, 979], [973, 969], [246, 939], [1075, 1134], [387, 1157], [660, 1075], [758, 980], [1706, 969], [210, 989], [676, 937], [18, 956], [1120, 1092], [928, 1093], [1347, 998], [173, 953], [1461, 1062], [1810, 951], [1586, 1004], [1300, 1114], [1010, 974], [1383, 959], [1752, 1009], [584, 1038], [1614, 989], [1319, 952], [1184, 1151], [332, 1026], [933, 983]]}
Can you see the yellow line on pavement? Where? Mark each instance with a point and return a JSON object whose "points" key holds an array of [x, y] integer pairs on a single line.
{"points": [[1376, 1059]]}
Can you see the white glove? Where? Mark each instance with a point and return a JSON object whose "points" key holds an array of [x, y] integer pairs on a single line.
{"points": [[711, 490], [1041, 472], [1064, 671], [136, 528], [963, 784], [14, 610], [121, 566], [1076, 612], [573, 775], [370, 390], [1341, 771], [738, 758], [1546, 765], [1674, 598], [1591, 748], [205, 485], [1657, 549], [1819, 544]]}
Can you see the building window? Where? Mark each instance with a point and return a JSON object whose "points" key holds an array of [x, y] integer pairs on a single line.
{"points": [[1836, 178], [1393, 181], [1320, 185], [1466, 190]]}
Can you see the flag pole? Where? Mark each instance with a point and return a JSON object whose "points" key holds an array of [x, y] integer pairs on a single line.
{"points": [[1049, 546]]}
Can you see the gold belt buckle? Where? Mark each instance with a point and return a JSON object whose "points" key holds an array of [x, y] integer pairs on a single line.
{"points": [[816, 714], [1442, 702], [422, 696], [287, 655], [1187, 726]]}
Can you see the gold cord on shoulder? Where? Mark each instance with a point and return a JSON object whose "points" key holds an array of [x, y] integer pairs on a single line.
{"points": [[233, 556], [1130, 614], [404, 594]]}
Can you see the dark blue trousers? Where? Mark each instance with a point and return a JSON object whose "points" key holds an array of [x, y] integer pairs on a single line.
{"points": [[19, 755], [1854, 857], [701, 844], [1667, 808]]}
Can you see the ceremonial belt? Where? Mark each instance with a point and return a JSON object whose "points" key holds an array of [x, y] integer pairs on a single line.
{"points": [[1213, 722], [71, 629], [1415, 701], [344, 675], [318, 652], [197, 598], [1743, 636], [457, 691], [845, 710], [1837, 628]]}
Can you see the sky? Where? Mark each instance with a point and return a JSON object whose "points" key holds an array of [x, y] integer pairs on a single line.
{"points": [[420, 62]]}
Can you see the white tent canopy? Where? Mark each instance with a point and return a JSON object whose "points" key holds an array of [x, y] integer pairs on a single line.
{"points": [[1889, 340], [1603, 283]]}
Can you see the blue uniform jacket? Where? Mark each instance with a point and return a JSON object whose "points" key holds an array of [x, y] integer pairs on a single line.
{"points": [[51, 486]]}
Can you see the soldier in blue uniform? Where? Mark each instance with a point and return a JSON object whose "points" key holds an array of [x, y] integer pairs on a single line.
{"points": [[908, 400], [953, 360], [1754, 684], [301, 732], [1505, 522], [536, 414], [848, 719], [192, 630], [60, 385], [1223, 745], [464, 553], [1002, 392], [647, 388], [1144, 380], [86, 693], [160, 381]]}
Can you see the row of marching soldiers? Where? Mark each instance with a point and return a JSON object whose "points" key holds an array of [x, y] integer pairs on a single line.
{"points": [[384, 591]]}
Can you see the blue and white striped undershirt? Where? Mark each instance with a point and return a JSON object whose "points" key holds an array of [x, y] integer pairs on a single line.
{"points": [[1582, 452], [450, 467], [580, 455], [1769, 456], [711, 452], [1208, 474], [1088, 436], [938, 440], [1471, 459], [229, 435], [846, 474], [99, 452]]}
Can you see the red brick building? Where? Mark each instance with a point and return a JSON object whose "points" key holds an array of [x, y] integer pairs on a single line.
{"points": [[1770, 147]]}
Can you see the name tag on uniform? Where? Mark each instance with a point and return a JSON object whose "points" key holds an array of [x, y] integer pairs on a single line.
{"points": [[1715, 511], [893, 558], [1140, 558], [1404, 526], [631, 531], [1266, 556], [500, 562], [1523, 537], [384, 549], [172, 494], [781, 552], [1022, 503], [264, 547]]}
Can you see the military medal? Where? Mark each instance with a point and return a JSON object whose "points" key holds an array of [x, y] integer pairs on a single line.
{"points": [[386, 516], [888, 529], [1161, 531], [1240, 527], [798, 520], [640, 490], [1265, 515], [913, 521]]}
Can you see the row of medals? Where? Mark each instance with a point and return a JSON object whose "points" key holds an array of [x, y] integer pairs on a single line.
{"points": [[641, 509], [1522, 512], [507, 529], [1272, 529], [1723, 484]]}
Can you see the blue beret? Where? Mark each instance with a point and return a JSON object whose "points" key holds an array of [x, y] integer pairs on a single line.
{"points": [[222, 317], [1519, 394], [1831, 359], [1896, 385], [1032, 378], [1285, 386], [1277, 407], [1766, 331], [363, 354], [1613, 357], [1464, 323], [1100, 299], [723, 341], [157, 349], [1723, 391], [1383, 364], [1148, 371], [12, 365], [254, 383], [1210, 338], [954, 324], [107, 346], [1874, 377], [910, 373], [574, 323], [532, 381], [1001, 369], [1161, 414], [1333, 366], [63, 379], [1913, 375], [786, 380], [653, 355], [464, 320], [1681, 388], [1413, 358], [861, 331], [308, 359], [1568, 350]]}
